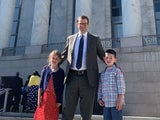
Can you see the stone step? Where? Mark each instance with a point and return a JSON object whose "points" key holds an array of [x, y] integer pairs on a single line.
{"points": [[29, 116], [78, 118]]}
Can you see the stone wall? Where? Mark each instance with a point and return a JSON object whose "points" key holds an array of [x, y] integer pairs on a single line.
{"points": [[139, 64], [141, 70]]}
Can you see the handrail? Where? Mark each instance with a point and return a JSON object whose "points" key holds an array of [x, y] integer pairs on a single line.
{"points": [[2, 91], [6, 91]]}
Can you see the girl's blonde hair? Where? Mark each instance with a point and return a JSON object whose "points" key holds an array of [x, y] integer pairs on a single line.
{"points": [[54, 52]]}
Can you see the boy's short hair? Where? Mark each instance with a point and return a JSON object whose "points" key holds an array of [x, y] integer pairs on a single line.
{"points": [[111, 51]]}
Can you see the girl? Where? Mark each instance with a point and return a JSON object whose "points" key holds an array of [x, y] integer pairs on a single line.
{"points": [[111, 88], [32, 92], [50, 89]]}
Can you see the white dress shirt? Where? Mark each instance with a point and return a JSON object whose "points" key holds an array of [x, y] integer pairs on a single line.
{"points": [[75, 55]]}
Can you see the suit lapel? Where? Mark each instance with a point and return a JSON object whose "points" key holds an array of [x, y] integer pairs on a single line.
{"points": [[89, 43], [72, 43], [73, 40], [88, 52]]}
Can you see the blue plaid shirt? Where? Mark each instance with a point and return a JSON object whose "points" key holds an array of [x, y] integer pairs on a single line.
{"points": [[111, 84]]}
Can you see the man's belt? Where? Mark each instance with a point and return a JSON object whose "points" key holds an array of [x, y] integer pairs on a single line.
{"points": [[78, 72]]}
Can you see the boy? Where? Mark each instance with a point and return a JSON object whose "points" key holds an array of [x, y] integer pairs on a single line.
{"points": [[111, 88]]}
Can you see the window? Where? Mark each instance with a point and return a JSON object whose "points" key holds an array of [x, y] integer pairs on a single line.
{"points": [[116, 8], [157, 5], [14, 33], [157, 18], [116, 22]]}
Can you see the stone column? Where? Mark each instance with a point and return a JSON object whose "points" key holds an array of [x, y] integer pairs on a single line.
{"points": [[58, 23], [40, 22], [101, 18], [148, 21], [131, 19], [7, 8], [101, 21], [83, 7], [108, 19], [25, 23]]}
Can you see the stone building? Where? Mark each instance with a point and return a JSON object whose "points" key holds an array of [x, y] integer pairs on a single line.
{"points": [[30, 29]]}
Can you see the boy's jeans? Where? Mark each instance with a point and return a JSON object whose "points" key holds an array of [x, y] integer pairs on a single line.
{"points": [[112, 113]]}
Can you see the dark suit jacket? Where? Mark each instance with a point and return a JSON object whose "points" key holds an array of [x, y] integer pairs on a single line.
{"points": [[94, 49]]}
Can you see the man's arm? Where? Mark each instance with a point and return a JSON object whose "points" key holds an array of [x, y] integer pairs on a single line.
{"points": [[100, 50], [65, 52]]}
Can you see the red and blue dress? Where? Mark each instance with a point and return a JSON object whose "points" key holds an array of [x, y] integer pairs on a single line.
{"points": [[52, 92]]}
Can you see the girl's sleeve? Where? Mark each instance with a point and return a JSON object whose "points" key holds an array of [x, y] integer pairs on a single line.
{"points": [[42, 78]]}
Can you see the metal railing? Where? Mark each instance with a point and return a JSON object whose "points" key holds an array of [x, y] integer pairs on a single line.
{"points": [[6, 92]]}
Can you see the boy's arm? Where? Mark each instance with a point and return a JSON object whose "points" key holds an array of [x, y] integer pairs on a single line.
{"points": [[119, 103], [120, 82], [121, 89]]}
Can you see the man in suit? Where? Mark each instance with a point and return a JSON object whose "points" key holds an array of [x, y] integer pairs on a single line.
{"points": [[82, 70], [16, 91]]}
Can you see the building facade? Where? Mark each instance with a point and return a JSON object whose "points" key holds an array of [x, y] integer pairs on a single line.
{"points": [[30, 29]]}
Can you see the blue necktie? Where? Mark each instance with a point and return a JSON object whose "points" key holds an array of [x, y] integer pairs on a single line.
{"points": [[80, 53]]}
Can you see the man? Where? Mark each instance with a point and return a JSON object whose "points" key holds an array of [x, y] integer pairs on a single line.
{"points": [[82, 70], [17, 85]]}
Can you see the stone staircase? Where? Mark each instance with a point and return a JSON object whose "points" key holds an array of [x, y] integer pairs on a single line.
{"points": [[29, 116]]}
